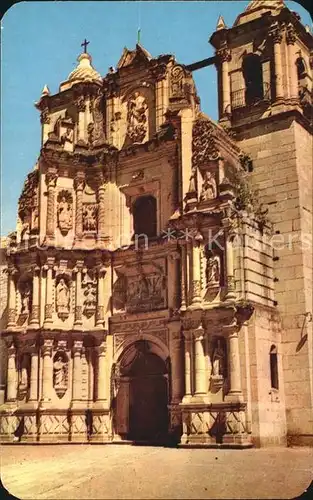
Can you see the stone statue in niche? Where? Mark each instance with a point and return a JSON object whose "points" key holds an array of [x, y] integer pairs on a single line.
{"points": [[60, 368], [90, 217], [62, 299], [213, 269], [137, 118], [208, 191], [65, 211], [68, 135], [90, 296], [25, 299], [218, 363], [24, 380]]}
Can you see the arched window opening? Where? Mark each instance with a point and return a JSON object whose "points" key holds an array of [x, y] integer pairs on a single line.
{"points": [[274, 367], [145, 216], [253, 76]]}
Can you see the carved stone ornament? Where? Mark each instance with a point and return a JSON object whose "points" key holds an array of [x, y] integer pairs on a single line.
{"points": [[62, 299], [89, 286], [65, 211], [218, 361], [98, 112], [177, 82], [44, 117], [275, 32], [29, 196], [209, 191], [26, 298], [146, 293], [137, 118], [60, 373], [90, 217], [203, 143], [213, 269]]}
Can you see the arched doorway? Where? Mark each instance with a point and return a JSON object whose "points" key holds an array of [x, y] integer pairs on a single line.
{"points": [[145, 374]]}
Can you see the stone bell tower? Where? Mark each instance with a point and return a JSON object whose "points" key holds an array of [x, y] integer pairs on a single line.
{"points": [[264, 64]]}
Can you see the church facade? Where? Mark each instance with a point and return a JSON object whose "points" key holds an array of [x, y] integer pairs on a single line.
{"points": [[159, 279]]}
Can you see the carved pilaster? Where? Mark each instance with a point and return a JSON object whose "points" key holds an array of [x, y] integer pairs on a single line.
{"points": [[34, 318], [79, 183], [77, 369], [11, 373], [101, 211], [200, 364], [48, 268], [78, 320], [292, 70], [47, 371], [102, 374], [100, 305], [12, 273], [51, 179], [276, 34]]}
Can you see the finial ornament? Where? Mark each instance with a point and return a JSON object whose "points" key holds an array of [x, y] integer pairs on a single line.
{"points": [[220, 24], [45, 91], [85, 44]]}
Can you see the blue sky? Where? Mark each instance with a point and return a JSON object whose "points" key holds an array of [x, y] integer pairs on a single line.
{"points": [[40, 43]]}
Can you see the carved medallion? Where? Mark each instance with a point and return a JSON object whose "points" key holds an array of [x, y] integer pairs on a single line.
{"points": [[177, 82], [203, 143]]}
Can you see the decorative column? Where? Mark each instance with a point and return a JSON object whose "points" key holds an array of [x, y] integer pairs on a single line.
{"points": [[188, 364], [47, 371], [200, 366], [161, 92], [48, 267], [51, 179], [79, 183], [196, 275], [78, 317], [175, 351], [292, 68], [34, 319], [11, 374], [183, 303], [77, 372], [229, 251], [101, 210], [224, 55], [100, 303], [12, 297], [81, 107], [33, 393], [172, 262], [101, 375], [276, 34], [235, 393]]}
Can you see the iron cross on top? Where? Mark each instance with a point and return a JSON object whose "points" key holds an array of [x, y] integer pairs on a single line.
{"points": [[84, 44]]}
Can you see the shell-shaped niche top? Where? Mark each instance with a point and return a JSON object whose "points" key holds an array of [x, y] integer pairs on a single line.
{"points": [[84, 72]]}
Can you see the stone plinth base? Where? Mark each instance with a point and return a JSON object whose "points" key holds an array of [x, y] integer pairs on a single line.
{"points": [[52, 425], [215, 425]]}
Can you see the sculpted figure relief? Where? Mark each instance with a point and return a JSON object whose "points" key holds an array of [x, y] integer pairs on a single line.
{"points": [[213, 269], [25, 297], [62, 298], [209, 191], [218, 360], [137, 118], [60, 373], [90, 217], [65, 211]]}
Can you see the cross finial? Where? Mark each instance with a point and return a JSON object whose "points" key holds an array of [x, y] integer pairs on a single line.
{"points": [[84, 44]]}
